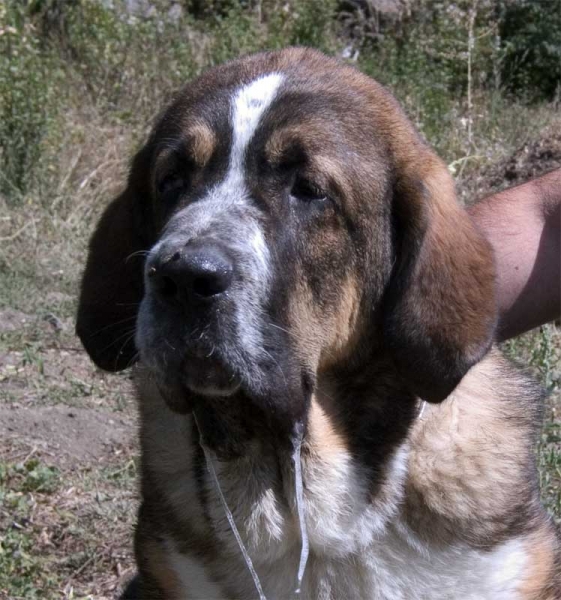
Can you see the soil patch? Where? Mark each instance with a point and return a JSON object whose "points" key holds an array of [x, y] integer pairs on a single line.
{"points": [[68, 436], [530, 160]]}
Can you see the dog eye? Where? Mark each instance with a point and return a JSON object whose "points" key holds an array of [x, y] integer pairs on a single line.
{"points": [[170, 186], [306, 191]]}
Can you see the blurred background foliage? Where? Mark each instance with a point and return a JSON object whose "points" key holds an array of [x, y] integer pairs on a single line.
{"points": [[124, 58]]}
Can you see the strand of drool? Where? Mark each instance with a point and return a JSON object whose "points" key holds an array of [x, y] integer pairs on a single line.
{"points": [[229, 515], [298, 486]]}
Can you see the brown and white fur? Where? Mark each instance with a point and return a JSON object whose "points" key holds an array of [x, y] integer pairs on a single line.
{"points": [[289, 252]]}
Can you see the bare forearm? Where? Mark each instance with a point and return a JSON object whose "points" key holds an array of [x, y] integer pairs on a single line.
{"points": [[523, 225]]}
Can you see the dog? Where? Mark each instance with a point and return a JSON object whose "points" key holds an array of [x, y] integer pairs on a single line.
{"points": [[290, 270]]}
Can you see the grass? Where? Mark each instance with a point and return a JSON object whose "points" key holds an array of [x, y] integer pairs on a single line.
{"points": [[76, 98], [52, 544], [540, 352], [550, 463]]}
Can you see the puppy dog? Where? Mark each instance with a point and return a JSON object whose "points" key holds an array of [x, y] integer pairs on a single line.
{"points": [[292, 258]]}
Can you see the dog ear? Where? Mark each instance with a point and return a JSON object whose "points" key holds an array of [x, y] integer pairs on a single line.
{"points": [[112, 284], [440, 309]]}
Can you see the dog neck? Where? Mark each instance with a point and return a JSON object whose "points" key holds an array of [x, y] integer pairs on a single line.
{"points": [[366, 412]]}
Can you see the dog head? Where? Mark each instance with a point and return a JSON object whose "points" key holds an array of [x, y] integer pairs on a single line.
{"points": [[284, 220]]}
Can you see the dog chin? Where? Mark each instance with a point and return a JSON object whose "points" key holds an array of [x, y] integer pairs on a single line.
{"points": [[209, 377], [197, 377]]}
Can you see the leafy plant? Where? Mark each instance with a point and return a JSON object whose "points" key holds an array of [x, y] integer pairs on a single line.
{"points": [[530, 35], [28, 81]]}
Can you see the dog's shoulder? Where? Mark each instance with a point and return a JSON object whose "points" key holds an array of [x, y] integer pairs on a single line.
{"points": [[472, 475], [478, 445]]}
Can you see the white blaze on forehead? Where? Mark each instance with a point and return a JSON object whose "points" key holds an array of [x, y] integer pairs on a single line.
{"points": [[249, 103], [248, 106]]}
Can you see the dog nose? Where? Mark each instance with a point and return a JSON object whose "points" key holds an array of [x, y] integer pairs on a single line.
{"points": [[195, 272]]}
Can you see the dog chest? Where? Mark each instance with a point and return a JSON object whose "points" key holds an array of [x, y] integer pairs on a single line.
{"points": [[359, 547], [390, 569]]}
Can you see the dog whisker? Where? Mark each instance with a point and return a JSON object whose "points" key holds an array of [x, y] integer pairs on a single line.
{"points": [[133, 359], [166, 342], [127, 340], [277, 364], [129, 334], [114, 324]]}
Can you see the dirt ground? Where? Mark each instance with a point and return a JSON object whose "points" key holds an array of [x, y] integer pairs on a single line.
{"points": [[70, 436], [531, 159], [68, 489]]}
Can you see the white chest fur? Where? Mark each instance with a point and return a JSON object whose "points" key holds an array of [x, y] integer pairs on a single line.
{"points": [[389, 570]]}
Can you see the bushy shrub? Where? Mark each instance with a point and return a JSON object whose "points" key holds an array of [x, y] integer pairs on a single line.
{"points": [[431, 43], [309, 23], [241, 29], [124, 65], [122, 58], [530, 34]]}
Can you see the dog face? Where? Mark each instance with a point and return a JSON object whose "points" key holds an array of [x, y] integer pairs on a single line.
{"points": [[285, 221]]}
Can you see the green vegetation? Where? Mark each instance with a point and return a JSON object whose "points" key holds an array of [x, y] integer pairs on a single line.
{"points": [[19, 567], [55, 529], [531, 34], [81, 81], [540, 351]]}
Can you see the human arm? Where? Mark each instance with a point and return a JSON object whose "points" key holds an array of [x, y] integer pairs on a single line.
{"points": [[523, 225]]}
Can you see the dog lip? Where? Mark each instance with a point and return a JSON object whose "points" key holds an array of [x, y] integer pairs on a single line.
{"points": [[208, 376]]}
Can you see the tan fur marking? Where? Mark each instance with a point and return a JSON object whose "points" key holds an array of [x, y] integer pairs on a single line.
{"points": [[313, 137], [203, 142], [277, 143], [157, 562], [328, 173], [308, 338], [540, 548], [325, 435], [345, 326], [458, 467], [336, 338]]}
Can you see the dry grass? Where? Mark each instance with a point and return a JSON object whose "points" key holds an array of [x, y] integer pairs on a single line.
{"points": [[70, 535]]}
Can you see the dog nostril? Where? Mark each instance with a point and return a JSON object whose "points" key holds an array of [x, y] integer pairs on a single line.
{"points": [[212, 284], [209, 270], [203, 287], [167, 287], [197, 273]]}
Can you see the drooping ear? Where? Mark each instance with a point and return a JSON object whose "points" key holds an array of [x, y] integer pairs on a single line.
{"points": [[112, 284], [440, 309]]}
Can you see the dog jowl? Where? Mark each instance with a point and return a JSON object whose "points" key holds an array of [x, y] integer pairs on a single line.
{"points": [[289, 251]]}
